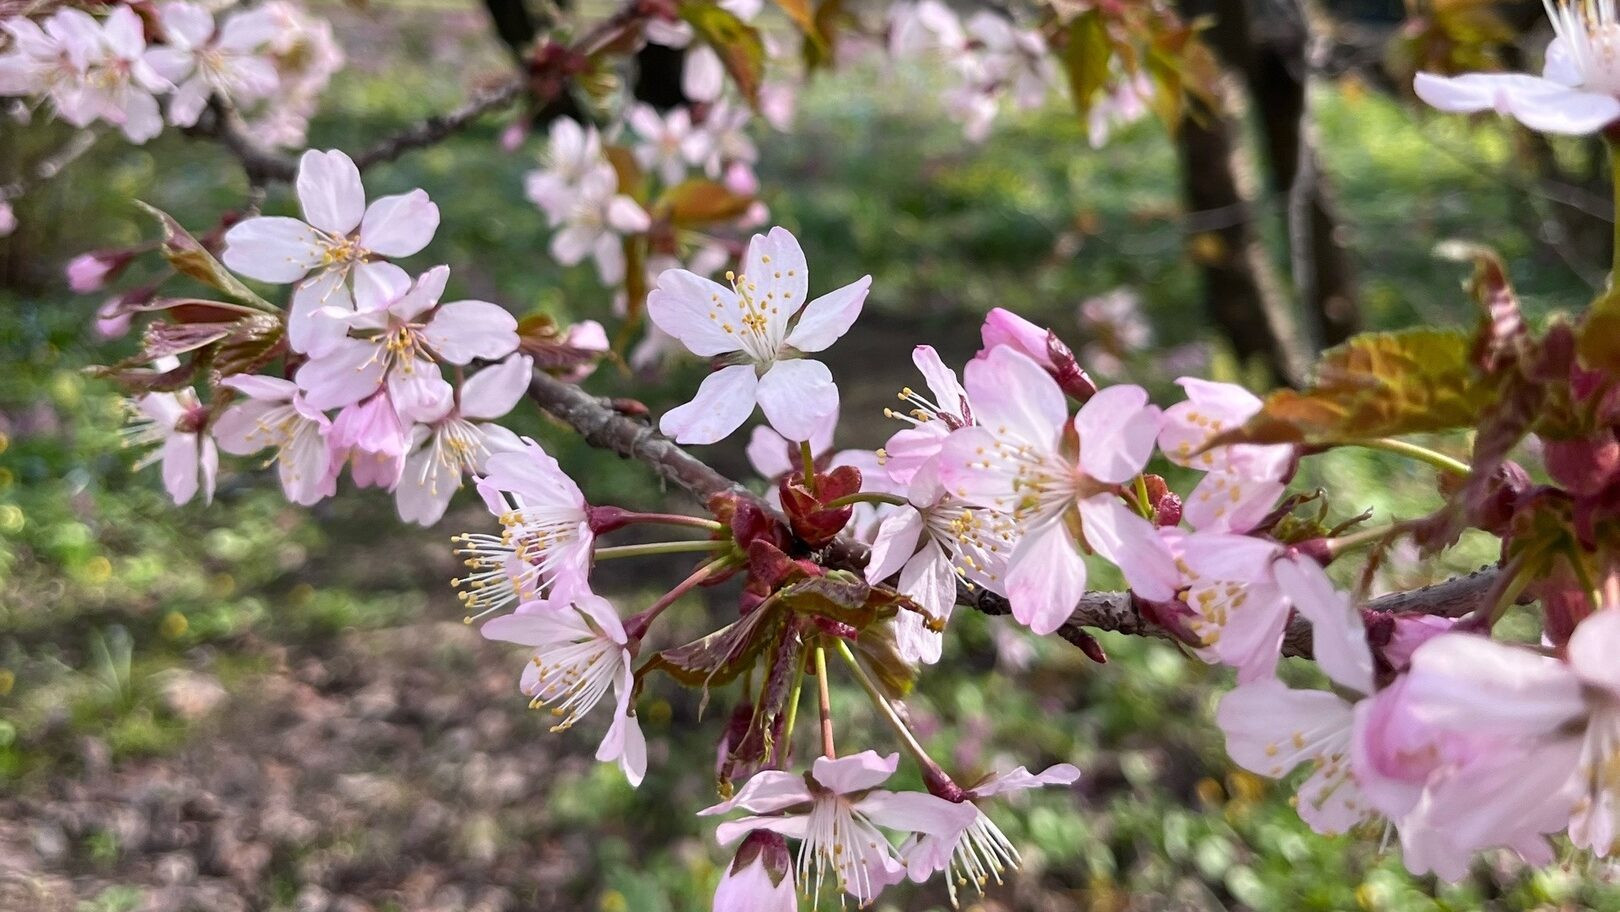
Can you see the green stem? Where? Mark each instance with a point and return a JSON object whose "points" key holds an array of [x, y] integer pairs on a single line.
{"points": [[827, 748], [675, 547], [1518, 580], [1142, 504], [1614, 179], [1584, 575], [865, 497], [674, 519], [1413, 451], [1337, 547], [886, 709], [786, 747], [809, 460]]}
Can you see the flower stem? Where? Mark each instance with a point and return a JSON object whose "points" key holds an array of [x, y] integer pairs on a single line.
{"points": [[827, 748], [1142, 504], [636, 627], [1413, 451], [809, 460], [886, 710], [674, 547], [875, 497], [674, 519], [1337, 547], [785, 748]]}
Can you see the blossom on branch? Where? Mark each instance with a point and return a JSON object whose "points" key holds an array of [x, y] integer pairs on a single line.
{"points": [[761, 326], [275, 414], [203, 62], [340, 238]]}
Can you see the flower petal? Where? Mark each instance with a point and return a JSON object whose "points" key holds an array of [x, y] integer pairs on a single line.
{"points": [[1046, 577], [273, 249], [826, 319], [1117, 430], [798, 397], [398, 226], [723, 402], [330, 192], [463, 330]]}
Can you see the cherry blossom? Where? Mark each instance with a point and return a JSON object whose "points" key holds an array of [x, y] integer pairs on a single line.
{"points": [[119, 84], [761, 322], [1578, 91], [370, 437], [172, 423], [930, 545], [203, 62], [544, 549], [1125, 103], [669, 143], [276, 415], [305, 54], [835, 811], [1241, 593], [594, 222], [407, 331], [932, 420], [572, 152], [759, 878], [1568, 709], [580, 653], [8, 219], [1243, 481], [339, 237], [462, 441], [980, 852], [1018, 463]]}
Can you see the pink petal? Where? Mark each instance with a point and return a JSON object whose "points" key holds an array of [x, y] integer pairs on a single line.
{"points": [[854, 772], [917, 812], [424, 490], [496, 389], [399, 226], [1216, 556], [1021, 779], [626, 216], [1130, 543], [723, 402], [330, 192], [240, 429], [766, 792], [1046, 578], [696, 311], [1474, 684], [313, 326], [948, 393], [798, 397], [180, 467], [349, 371], [793, 827], [826, 319], [421, 297], [273, 249], [1117, 431], [1594, 650], [1338, 637], [379, 285], [463, 330], [1004, 329], [896, 542], [1225, 502], [774, 265], [1012, 392], [419, 391], [260, 386], [1270, 729]]}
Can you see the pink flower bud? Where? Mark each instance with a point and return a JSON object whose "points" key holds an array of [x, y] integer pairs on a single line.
{"points": [[760, 878], [91, 271], [8, 219]]}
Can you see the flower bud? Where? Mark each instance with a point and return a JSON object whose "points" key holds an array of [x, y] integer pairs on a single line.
{"points": [[92, 271], [760, 878]]}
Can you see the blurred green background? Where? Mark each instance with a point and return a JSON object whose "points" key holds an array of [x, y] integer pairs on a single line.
{"points": [[252, 705]]}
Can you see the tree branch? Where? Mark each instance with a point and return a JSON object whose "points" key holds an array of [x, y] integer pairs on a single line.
{"points": [[602, 426]]}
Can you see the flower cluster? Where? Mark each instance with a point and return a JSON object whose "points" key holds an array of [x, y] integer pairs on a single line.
{"points": [[991, 57], [272, 60]]}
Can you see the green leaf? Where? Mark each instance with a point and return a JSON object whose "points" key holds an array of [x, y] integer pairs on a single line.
{"points": [[190, 258], [738, 44], [1086, 56], [1377, 385]]}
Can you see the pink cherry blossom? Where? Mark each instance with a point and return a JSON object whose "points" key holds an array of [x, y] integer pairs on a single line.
{"points": [[726, 133], [52, 61], [1271, 729], [340, 237], [305, 54], [835, 812], [370, 437], [544, 549], [275, 415], [759, 878], [980, 852], [405, 332], [228, 62], [580, 653], [930, 544], [764, 321], [8, 219], [1569, 710], [461, 442], [119, 83], [1577, 90], [572, 152], [932, 420], [1242, 481], [1017, 462], [90, 272], [668, 143], [773, 456], [1125, 103], [595, 222], [172, 423], [1242, 590]]}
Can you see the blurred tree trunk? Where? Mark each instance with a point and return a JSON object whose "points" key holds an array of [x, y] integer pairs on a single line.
{"points": [[1241, 290]]}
